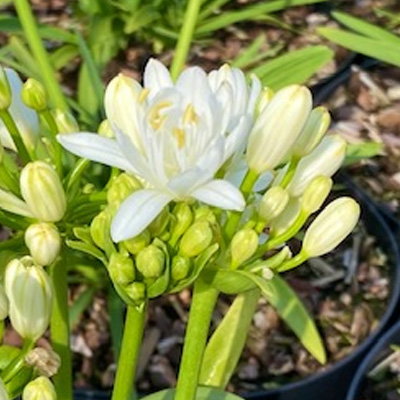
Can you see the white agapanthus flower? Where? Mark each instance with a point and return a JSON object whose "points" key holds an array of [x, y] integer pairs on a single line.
{"points": [[25, 118], [174, 136]]}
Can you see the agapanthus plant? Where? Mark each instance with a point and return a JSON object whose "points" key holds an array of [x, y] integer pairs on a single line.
{"points": [[211, 177]]}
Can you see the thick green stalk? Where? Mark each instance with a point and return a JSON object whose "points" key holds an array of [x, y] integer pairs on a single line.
{"points": [[16, 365], [201, 310], [15, 134], [185, 37], [32, 36], [59, 327], [128, 358]]}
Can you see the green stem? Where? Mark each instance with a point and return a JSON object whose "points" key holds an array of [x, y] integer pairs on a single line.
{"points": [[293, 262], [59, 327], [8, 180], [201, 310], [128, 358], [15, 135], [294, 162], [32, 36], [185, 37], [15, 366]]}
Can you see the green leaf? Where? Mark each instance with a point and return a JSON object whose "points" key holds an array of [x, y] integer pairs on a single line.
{"points": [[116, 312], [83, 301], [384, 51], [291, 309], [248, 54], [360, 151], [63, 56], [228, 281], [294, 67], [203, 393], [366, 28], [88, 249], [227, 342], [7, 354]]}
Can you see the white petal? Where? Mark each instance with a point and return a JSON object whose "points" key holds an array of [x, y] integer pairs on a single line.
{"points": [[254, 93], [156, 76], [137, 212], [11, 203], [96, 148], [236, 139], [220, 193]]}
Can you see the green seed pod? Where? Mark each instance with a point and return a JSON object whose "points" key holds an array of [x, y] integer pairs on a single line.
{"points": [[315, 194], [5, 90], [273, 203], [121, 269], [34, 95], [181, 267], [196, 239], [244, 244], [122, 186], [39, 389], [150, 262], [136, 291], [100, 229], [138, 243]]}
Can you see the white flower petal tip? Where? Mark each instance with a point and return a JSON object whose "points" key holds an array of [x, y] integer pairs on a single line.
{"points": [[222, 194], [137, 212]]}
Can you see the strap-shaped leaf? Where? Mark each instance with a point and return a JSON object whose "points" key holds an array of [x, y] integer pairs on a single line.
{"points": [[203, 393]]}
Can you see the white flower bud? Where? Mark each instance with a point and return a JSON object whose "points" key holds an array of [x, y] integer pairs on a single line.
{"points": [[44, 242], [324, 160], [66, 122], [315, 194], [331, 227], [42, 190], [315, 128], [244, 244], [39, 389], [273, 203], [286, 218], [277, 128], [3, 304], [29, 291]]}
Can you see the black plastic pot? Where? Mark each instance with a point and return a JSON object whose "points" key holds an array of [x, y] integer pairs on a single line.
{"points": [[359, 382]]}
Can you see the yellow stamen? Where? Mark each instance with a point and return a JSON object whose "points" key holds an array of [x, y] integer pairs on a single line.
{"points": [[143, 95], [155, 119], [190, 115], [179, 136]]}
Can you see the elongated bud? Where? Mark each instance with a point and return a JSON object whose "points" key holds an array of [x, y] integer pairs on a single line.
{"points": [[265, 98], [205, 213], [331, 227], [160, 224], [45, 361], [3, 304], [122, 186], [180, 268], [278, 127], [34, 95], [5, 90], [196, 239], [150, 262], [44, 242], [65, 121], [184, 217], [286, 218], [42, 191], [244, 244], [273, 203], [315, 194], [105, 129], [136, 291], [3, 391], [315, 128], [138, 243], [29, 291], [39, 389], [121, 269], [324, 160], [100, 229]]}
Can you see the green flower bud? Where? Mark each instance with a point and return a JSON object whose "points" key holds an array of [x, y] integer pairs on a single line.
{"points": [[273, 203], [42, 191], [286, 218], [196, 239], [45, 361], [315, 128], [29, 291], [3, 304], [34, 95], [121, 269], [138, 243], [5, 90], [158, 227], [184, 218], [150, 262], [122, 186], [44, 242], [244, 244], [39, 389], [180, 268], [100, 229], [315, 194], [65, 121], [331, 227], [136, 291], [105, 129], [205, 213]]}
